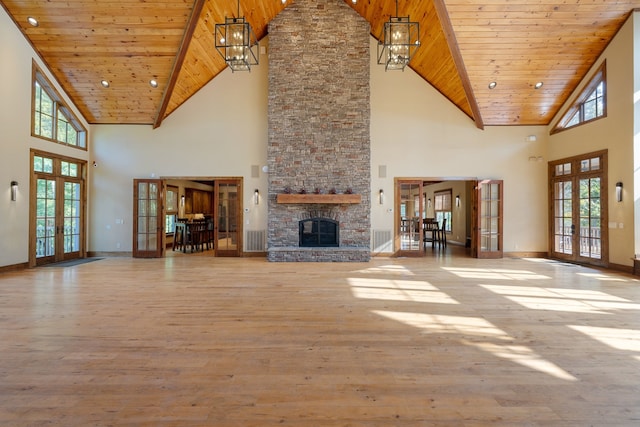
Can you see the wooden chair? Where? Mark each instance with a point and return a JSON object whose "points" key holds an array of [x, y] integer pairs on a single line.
{"points": [[441, 234], [207, 235], [429, 229], [179, 235], [195, 234]]}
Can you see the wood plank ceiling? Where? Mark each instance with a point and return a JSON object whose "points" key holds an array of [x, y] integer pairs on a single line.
{"points": [[465, 45]]}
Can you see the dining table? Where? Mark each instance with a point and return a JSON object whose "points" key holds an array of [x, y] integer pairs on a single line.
{"points": [[189, 233]]}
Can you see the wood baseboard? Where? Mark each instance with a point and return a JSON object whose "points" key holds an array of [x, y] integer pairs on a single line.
{"points": [[625, 268], [254, 254], [109, 254], [14, 267], [526, 255]]}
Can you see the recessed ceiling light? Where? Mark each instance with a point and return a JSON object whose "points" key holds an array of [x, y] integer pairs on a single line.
{"points": [[538, 85], [492, 85], [104, 83], [284, 1], [153, 83], [33, 21]]}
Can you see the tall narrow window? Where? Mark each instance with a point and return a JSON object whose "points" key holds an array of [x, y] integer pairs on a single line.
{"points": [[172, 209], [590, 105], [442, 208], [51, 118]]}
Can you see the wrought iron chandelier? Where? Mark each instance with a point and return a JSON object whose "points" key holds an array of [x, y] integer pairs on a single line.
{"points": [[236, 42], [398, 43]]}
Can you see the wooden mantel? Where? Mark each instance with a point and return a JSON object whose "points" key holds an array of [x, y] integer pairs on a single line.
{"points": [[319, 198]]}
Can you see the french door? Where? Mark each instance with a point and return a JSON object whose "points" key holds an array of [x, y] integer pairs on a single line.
{"points": [[57, 200], [578, 213], [487, 221], [148, 218], [409, 202], [228, 213]]}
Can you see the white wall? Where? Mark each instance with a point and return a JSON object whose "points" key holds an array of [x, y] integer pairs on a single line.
{"points": [[615, 133], [16, 56], [635, 192]]}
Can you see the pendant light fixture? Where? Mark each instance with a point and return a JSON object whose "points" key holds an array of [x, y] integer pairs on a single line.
{"points": [[236, 42], [398, 43]]}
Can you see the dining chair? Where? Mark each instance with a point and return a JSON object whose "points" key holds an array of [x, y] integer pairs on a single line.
{"points": [[196, 231], [441, 234], [429, 228]]}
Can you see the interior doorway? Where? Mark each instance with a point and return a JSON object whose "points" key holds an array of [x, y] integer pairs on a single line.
{"points": [[215, 201], [445, 200]]}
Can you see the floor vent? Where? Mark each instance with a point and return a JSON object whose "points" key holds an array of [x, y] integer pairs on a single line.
{"points": [[256, 241], [382, 241]]}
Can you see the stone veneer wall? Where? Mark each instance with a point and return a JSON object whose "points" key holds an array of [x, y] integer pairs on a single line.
{"points": [[319, 114]]}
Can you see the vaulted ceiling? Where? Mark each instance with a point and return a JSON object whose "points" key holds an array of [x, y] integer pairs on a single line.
{"points": [[465, 45]]}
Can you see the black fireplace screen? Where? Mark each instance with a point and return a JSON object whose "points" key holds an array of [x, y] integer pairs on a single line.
{"points": [[319, 232]]}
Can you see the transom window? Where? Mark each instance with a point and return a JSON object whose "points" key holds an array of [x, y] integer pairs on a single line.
{"points": [[590, 105], [68, 168], [42, 164], [51, 118]]}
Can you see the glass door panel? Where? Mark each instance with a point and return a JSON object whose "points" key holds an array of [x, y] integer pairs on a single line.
{"points": [[409, 214], [563, 217], [45, 230], [148, 227], [489, 219], [228, 232], [590, 230], [71, 217]]}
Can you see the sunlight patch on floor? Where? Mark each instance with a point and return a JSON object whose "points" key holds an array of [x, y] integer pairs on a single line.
{"points": [[621, 339], [475, 331], [525, 357], [434, 323], [389, 269], [494, 274], [558, 299], [399, 290], [606, 277]]}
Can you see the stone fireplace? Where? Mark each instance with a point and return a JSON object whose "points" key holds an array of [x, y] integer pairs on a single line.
{"points": [[318, 122]]}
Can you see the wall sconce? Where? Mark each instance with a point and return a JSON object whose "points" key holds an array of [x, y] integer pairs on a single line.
{"points": [[429, 203], [256, 197], [381, 196], [182, 200], [458, 201], [14, 190], [619, 191]]}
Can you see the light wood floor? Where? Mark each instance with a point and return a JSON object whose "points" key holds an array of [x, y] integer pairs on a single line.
{"points": [[436, 341]]}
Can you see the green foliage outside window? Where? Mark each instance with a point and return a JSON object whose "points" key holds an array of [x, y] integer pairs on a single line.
{"points": [[52, 119]]}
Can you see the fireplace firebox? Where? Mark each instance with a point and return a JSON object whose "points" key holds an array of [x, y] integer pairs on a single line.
{"points": [[319, 232]]}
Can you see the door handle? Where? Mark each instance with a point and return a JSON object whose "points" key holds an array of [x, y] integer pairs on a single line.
{"points": [[573, 229]]}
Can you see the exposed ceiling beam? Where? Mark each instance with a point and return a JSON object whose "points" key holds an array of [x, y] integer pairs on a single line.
{"points": [[177, 66], [450, 36]]}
